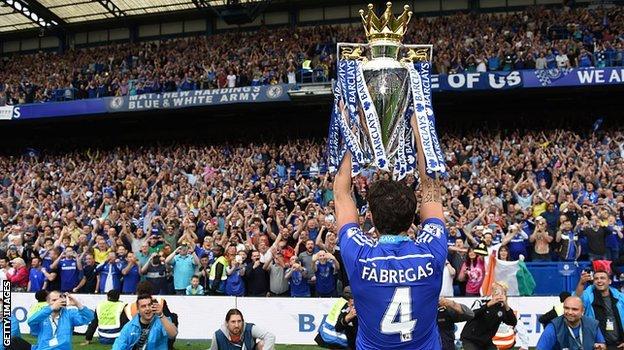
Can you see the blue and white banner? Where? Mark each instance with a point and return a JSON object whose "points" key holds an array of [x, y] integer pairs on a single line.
{"points": [[183, 99], [477, 81], [541, 78], [573, 77], [144, 102]]}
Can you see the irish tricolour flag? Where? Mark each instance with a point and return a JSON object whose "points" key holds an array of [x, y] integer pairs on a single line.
{"points": [[514, 273]]}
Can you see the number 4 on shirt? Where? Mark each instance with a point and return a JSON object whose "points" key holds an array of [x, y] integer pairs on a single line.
{"points": [[401, 304]]}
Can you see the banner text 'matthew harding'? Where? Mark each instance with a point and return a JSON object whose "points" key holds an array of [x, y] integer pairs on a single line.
{"points": [[6, 313], [191, 98]]}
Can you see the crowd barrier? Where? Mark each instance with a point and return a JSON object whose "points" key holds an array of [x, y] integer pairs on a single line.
{"points": [[292, 320], [551, 278]]}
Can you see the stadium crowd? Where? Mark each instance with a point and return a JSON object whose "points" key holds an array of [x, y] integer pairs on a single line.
{"points": [[537, 38], [258, 219]]}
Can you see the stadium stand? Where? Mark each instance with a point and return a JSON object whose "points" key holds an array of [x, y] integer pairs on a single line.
{"points": [[532, 182], [537, 38]]}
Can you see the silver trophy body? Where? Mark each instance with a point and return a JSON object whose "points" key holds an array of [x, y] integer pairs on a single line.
{"points": [[388, 84]]}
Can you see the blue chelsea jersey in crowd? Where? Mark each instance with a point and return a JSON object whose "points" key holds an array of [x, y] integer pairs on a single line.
{"points": [[396, 284]]}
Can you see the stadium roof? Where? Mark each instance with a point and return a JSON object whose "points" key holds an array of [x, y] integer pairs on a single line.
{"points": [[28, 14]]}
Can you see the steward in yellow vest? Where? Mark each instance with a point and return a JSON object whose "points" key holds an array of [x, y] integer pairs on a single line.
{"points": [[218, 275], [109, 319]]}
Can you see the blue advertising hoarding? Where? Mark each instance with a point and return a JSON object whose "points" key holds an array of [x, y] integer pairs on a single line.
{"points": [[486, 81]]}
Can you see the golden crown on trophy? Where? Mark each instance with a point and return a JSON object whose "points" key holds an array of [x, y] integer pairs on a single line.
{"points": [[386, 27]]}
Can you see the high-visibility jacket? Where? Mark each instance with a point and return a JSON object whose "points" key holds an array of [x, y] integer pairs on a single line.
{"points": [[213, 271], [109, 318], [327, 330], [33, 310]]}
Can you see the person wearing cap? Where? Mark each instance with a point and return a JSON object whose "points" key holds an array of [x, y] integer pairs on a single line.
{"points": [[339, 328], [184, 265], [19, 276], [541, 239], [109, 319]]}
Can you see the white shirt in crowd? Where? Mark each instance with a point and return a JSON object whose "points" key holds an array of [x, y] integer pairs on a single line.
{"points": [[231, 80], [447, 281], [481, 67], [292, 79], [562, 60]]}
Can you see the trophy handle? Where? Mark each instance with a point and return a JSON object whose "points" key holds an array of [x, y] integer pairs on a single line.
{"points": [[355, 51]]}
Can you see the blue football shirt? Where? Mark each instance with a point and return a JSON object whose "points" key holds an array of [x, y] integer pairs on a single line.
{"points": [[396, 284]]}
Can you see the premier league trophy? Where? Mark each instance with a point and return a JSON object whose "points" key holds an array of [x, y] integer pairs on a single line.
{"points": [[380, 87]]}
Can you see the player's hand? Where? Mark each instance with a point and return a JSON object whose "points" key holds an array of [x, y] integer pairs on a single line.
{"points": [[601, 347]]}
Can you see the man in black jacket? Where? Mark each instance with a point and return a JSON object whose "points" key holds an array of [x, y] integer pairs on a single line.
{"points": [[478, 332], [449, 313]]}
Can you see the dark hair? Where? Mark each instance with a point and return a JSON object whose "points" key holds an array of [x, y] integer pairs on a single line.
{"points": [[501, 249], [233, 312], [392, 205], [41, 295], [563, 296], [144, 287], [143, 296], [113, 295]]}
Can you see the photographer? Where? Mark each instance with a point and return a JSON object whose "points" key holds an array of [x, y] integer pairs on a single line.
{"points": [[150, 329], [605, 304], [56, 322], [132, 309], [478, 332]]}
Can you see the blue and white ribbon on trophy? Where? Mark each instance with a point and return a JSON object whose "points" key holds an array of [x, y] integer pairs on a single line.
{"points": [[351, 96]]}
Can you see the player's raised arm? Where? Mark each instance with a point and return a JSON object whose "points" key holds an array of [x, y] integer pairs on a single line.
{"points": [[431, 201], [346, 211]]}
